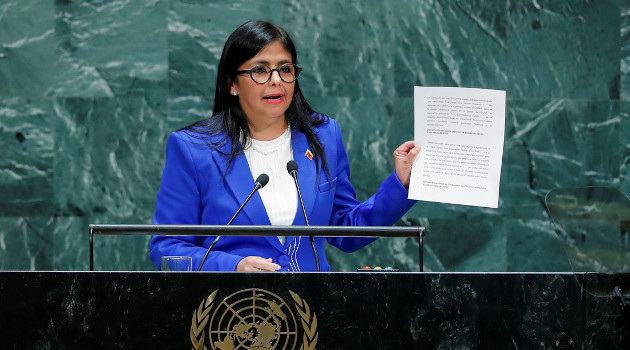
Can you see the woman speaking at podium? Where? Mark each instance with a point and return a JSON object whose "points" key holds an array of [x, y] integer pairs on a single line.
{"points": [[260, 122]]}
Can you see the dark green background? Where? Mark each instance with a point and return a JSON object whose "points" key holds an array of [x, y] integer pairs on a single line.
{"points": [[89, 91]]}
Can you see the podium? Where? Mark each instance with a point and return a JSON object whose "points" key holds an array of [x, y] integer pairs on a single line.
{"points": [[356, 310], [306, 310]]}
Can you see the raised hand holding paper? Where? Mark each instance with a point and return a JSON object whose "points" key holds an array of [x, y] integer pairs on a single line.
{"points": [[461, 132]]}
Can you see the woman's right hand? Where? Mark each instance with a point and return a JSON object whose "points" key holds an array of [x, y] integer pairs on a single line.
{"points": [[256, 264]]}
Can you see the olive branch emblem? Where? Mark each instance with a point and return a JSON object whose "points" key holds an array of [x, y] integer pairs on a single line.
{"points": [[201, 317], [199, 320], [309, 324]]}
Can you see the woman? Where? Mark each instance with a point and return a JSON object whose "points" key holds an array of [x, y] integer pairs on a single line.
{"points": [[261, 121]]}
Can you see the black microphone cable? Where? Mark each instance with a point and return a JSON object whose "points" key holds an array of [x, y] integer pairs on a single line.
{"points": [[292, 168], [261, 181]]}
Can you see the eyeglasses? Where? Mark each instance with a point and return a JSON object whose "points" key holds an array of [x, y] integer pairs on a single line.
{"points": [[261, 73]]}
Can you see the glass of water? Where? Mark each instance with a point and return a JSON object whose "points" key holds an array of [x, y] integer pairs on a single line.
{"points": [[176, 263]]}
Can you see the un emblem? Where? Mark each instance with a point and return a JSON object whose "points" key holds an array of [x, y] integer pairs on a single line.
{"points": [[253, 319]]}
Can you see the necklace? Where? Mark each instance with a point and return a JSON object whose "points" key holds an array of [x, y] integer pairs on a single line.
{"points": [[272, 146]]}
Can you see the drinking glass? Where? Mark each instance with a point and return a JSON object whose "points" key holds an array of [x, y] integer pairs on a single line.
{"points": [[176, 263]]}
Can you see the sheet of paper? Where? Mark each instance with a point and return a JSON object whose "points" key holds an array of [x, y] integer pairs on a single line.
{"points": [[461, 133]]}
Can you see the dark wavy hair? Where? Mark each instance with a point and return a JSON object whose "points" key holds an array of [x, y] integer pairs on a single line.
{"points": [[229, 120]]}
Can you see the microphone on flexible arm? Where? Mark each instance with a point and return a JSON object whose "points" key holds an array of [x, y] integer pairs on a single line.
{"points": [[292, 168], [261, 181]]}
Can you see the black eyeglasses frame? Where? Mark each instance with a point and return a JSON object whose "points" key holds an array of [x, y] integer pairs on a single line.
{"points": [[298, 70]]}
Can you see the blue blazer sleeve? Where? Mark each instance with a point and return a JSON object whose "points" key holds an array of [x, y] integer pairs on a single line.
{"points": [[383, 208], [179, 202], [195, 190]]}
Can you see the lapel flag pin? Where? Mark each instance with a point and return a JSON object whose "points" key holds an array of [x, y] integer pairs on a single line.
{"points": [[309, 154]]}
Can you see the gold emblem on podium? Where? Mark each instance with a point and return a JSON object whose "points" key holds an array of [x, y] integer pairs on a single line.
{"points": [[253, 319]]}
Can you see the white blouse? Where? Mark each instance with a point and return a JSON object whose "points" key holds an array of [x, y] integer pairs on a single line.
{"points": [[279, 195]]}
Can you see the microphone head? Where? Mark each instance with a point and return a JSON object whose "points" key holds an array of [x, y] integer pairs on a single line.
{"points": [[292, 167], [262, 180]]}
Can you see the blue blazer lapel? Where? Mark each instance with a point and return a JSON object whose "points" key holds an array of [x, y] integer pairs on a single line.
{"points": [[241, 182], [307, 171]]}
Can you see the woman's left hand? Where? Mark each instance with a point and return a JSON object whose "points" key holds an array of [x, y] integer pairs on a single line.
{"points": [[404, 156]]}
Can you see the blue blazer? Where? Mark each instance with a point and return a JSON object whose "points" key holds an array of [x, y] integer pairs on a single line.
{"points": [[195, 191]]}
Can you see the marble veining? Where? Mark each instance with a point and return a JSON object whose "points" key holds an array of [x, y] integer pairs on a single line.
{"points": [[354, 310], [90, 90]]}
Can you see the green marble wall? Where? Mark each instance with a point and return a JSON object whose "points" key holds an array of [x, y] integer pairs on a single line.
{"points": [[89, 91]]}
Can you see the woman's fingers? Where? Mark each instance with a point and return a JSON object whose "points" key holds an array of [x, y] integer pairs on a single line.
{"points": [[256, 264], [404, 157]]}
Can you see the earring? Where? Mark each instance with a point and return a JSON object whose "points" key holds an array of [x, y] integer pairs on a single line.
{"points": [[234, 93]]}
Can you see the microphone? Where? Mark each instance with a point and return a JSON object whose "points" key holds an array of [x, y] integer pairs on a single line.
{"points": [[261, 181], [292, 168]]}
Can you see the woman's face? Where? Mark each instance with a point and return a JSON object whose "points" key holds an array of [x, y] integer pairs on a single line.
{"points": [[266, 103]]}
